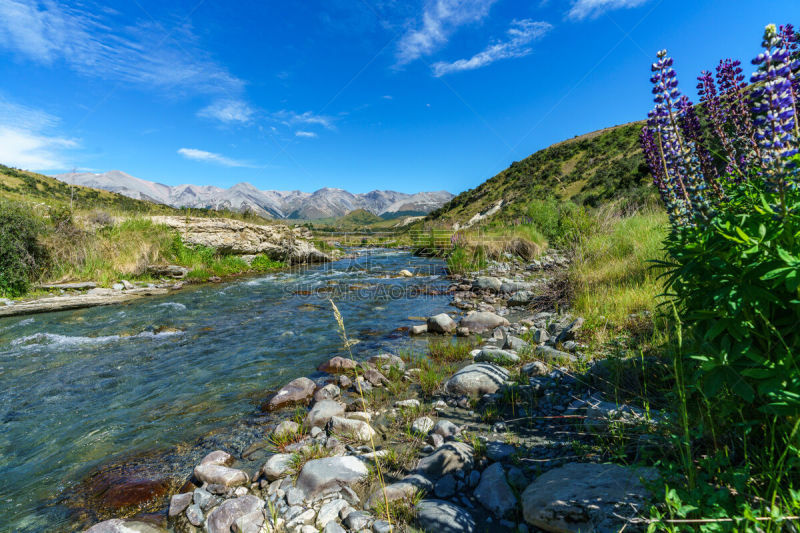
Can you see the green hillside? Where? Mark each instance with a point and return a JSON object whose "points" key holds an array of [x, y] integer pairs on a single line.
{"points": [[588, 170], [29, 187]]}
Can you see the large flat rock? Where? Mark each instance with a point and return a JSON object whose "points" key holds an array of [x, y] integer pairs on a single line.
{"points": [[330, 473], [586, 497], [477, 380]]}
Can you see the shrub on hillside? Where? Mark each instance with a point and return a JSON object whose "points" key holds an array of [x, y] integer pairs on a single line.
{"points": [[21, 256]]}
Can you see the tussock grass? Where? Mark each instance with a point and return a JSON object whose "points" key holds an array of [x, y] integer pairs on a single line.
{"points": [[612, 273]]}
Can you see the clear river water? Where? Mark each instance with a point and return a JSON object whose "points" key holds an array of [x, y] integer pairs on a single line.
{"points": [[83, 389]]}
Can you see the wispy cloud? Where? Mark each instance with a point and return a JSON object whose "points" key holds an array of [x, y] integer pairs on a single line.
{"points": [[27, 141], [97, 44], [387, 96], [210, 157], [291, 118], [520, 35], [440, 19], [583, 9], [309, 134], [228, 111]]}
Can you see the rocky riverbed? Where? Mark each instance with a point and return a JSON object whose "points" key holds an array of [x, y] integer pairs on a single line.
{"points": [[498, 431]]}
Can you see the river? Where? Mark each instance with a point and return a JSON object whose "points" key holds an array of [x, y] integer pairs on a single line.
{"points": [[82, 389]]}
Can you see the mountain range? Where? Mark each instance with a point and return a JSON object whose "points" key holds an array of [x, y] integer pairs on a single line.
{"points": [[323, 203]]}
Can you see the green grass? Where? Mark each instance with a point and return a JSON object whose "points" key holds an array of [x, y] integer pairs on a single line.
{"points": [[612, 273]]}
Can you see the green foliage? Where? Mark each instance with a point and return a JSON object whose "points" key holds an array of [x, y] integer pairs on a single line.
{"points": [[22, 258], [737, 281], [734, 284], [262, 263], [446, 350], [463, 259]]}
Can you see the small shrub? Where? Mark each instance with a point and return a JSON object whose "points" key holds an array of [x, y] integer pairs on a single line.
{"points": [[262, 263], [22, 258]]}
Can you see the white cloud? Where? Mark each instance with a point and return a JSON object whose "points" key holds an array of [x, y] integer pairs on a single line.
{"points": [[582, 9], [290, 118], [93, 44], [520, 34], [228, 111], [26, 141], [387, 96], [440, 19], [309, 134], [210, 157]]}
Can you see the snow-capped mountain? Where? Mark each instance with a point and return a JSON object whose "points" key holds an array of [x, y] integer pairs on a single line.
{"points": [[327, 202]]}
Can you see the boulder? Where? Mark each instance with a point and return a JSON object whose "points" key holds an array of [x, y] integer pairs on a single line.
{"points": [[422, 425], [497, 356], [551, 354], [276, 241], [440, 516], [220, 475], [482, 321], [521, 298], [406, 273], [251, 522], [487, 283], [330, 473], [375, 378], [441, 323], [357, 429], [286, 427], [322, 412], [337, 364], [217, 457], [419, 329], [407, 404], [476, 380], [600, 415], [328, 392], [450, 458], [568, 332], [400, 490], [386, 360], [586, 497], [222, 518], [494, 492], [535, 369], [499, 451], [179, 502], [445, 429], [299, 390], [329, 512], [277, 466]]}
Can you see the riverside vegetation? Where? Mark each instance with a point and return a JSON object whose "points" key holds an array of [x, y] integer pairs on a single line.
{"points": [[54, 232], [654, 351]]}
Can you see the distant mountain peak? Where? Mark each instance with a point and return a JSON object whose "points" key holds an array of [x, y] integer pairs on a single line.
{"points": [[322, 203]]}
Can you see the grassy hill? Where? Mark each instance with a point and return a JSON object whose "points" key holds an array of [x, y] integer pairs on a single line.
{"points": [[588, 170]]}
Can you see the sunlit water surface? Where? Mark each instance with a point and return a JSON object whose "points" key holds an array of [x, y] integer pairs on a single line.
{"points": [[82, 388]]}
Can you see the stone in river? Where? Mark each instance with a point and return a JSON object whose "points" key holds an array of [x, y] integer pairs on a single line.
{"points": [[441, 323], [220, 475], [336, 365], [299, 390], [330, 473], [217, 457], [179, 502]]}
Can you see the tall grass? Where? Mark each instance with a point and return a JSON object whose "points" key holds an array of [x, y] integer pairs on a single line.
{"points": [[612, 271]]}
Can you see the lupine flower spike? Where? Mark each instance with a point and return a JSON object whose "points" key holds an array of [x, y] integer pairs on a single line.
{"points": [[774, 107]]}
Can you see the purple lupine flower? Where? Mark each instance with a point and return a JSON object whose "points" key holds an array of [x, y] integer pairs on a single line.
{"points": [[692, 131], [730, 80], [707, 90], [774, 107], [683, 174], [653, 157]]}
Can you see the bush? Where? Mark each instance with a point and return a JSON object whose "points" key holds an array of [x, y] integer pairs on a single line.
{"points": [[22, 258]]}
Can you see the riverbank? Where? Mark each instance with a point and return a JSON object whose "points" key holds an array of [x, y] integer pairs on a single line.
{"points": [[465, 434]]}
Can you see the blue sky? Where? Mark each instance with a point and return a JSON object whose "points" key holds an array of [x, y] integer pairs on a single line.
{"points": [[358, 94]]}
